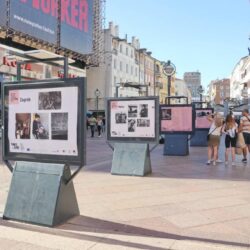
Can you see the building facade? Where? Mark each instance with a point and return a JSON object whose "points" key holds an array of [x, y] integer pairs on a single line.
{"points": [[181, 89], [219, 90], [193, 81]]}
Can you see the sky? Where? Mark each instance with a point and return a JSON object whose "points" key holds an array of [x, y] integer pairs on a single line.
{"points": [[209, 36]]}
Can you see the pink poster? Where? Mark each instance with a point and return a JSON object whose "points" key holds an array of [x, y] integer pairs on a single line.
{"points": [[201, 120], [176, 119]]}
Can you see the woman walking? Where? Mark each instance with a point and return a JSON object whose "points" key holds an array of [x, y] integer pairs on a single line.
{"points": [[230, 128], [214, 135]]}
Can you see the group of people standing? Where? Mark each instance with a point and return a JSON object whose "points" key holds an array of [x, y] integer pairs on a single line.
{"points": [[94, 123], [237, 135]]}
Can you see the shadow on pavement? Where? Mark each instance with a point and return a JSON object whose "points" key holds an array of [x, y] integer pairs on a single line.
{"points": [[93, 225]]}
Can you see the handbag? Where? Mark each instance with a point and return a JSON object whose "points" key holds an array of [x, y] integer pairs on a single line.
{"points": [[210, 133]]}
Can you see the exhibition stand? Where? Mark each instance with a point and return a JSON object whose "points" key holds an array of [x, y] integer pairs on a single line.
{"points": [[176, 123], [43, 133], [131, 127]]}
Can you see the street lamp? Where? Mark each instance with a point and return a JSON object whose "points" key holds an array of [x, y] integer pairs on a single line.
{"points": [[169, 69], [200, 91], [97, 94]]}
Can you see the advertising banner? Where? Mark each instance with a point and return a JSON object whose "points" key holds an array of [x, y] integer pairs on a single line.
{"points": [[44, 120], [134, 119], [3, 13], [35, 18], [201, 121], [77, 25], [176, 119]]}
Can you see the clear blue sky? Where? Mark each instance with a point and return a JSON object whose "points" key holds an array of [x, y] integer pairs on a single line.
{"points": [[206, 35]]}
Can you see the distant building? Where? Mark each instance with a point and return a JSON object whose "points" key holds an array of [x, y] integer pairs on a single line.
{"points": [[240, 80], [193, 81], [181, 89], [219, 90]]}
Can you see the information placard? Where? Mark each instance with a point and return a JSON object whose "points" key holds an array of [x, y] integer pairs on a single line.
{"points": [[133, 119], [43, 120], [176, 119], [201, 121]]}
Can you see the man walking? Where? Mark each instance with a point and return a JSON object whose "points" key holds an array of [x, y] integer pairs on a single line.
{"points": [[92, 124]]}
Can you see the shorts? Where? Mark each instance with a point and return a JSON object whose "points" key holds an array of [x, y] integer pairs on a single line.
{"points": [[247, 138], [214, 140], [229, 141]]}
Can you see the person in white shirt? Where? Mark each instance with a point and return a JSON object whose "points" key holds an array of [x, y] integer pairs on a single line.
{"points": [[245, 129]]}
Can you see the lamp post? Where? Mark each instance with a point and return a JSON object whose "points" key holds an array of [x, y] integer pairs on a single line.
{"points": [[169, 69], [200, 91], [97, 94]]}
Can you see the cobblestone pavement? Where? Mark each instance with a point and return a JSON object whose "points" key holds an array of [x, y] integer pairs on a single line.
{"points": [[183, 204]]}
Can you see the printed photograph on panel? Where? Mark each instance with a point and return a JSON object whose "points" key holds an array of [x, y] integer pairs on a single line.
{"points": [[131, 125], [143, 110], [132, 110], [166, 114], [59, 126], [120, 117], [50, 100], [23, 125], [40, 126], [143, 123]]}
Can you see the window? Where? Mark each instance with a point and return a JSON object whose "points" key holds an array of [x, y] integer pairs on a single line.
{"points": [[121, 48], [114, 63], [126, 51], [114, 80], [120, 66], [126, 68], [132, 70], [136, 72]]}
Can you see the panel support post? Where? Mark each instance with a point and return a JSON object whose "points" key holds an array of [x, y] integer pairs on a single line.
{"points": [[131, 159]]}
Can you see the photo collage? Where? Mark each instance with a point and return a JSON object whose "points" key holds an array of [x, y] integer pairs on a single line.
{"points": [[44, 125], [136, 116]]}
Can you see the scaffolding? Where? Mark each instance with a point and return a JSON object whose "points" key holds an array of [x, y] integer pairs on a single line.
{"points": [[97, 58]]}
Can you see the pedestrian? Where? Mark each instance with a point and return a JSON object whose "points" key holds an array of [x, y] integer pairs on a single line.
{"points": [[103, 124], [245, 129], [230, 128], [99, 126], [214, 135], [92, 124]]}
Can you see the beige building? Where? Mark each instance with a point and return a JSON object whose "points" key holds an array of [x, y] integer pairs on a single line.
{"points": [[219, 90]]}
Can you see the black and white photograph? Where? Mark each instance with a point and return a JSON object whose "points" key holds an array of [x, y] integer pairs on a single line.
{"points": [[143, 110], [131, 125], [50, 100], [22, 126], [120, 117], [143, 122], [59, 126], [132, 110], [166, 114], [40, 126]]}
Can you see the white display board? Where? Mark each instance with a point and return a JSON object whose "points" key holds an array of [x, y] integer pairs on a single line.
{"points": [[43, 121], [130, 118]]}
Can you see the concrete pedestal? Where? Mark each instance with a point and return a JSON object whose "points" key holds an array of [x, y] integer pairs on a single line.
{"points": [[176, 144], [131, 159], [38, 194], [199, 139]]}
